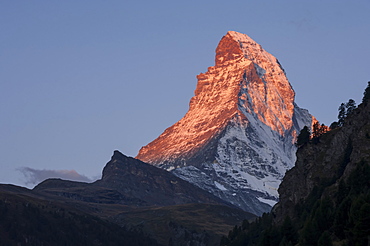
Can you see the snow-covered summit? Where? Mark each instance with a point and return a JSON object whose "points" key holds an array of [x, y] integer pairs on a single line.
{"points": [[237, 139]]}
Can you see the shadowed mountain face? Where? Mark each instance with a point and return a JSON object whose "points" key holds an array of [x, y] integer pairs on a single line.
{"points": [[133, 201], [237, 139], [131, 182]]}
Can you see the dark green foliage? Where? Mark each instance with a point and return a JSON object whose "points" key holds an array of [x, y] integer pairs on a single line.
{"points": [[341, 221], [304, 136], [366, 97], [317, 131], [341, 114], [234, 233], [346, 158], [343, 192], [359, 220], [324, 214], [351, 106], [270, 236], [325, 240], [26, 223], [334, 125], [245, 224], [337, 210], [319, 219], [359, 178], [288, 232], [341, 217], [224, 241], [284, 242], [362, 222], [310, 233], [260, 232], [345, 110]]}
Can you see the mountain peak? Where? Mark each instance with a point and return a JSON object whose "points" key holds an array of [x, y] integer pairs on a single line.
{"points": [[240, 36], [245, 77], [141, 184], [230, 47], [117, 155], [242, 119]]}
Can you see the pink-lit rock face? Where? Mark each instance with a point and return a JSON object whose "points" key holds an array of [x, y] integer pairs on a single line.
{"points": [[244, 72], [237, 139]]}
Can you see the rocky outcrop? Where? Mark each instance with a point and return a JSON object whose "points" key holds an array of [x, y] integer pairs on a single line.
{"points": [[129, 181], [237, 139], [326, 162], [152, 185]]}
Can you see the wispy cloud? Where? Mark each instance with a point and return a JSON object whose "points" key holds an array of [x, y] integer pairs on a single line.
{"points": [[35, 176]]}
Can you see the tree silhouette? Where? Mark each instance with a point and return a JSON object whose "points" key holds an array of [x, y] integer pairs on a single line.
{"points": [[350, 106], [334, 125], [345, 109], [304, 136], [288, 232], [318, 130], [341, 114], [366, 94], [315, 129]]}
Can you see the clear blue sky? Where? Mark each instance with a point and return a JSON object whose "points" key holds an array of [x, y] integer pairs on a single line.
{"points": [[79, 79]]}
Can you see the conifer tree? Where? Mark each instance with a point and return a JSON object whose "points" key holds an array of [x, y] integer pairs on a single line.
{"points": [[366, 94], [334, 125], [341, 114], [316, 130], [325, 239], [350, 106], [345, 109], [288, 231], [304, 136], [323, 129]]}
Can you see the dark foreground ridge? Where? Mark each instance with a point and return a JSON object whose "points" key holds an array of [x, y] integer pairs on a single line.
{"points": [[133, 204], [131, 182]]}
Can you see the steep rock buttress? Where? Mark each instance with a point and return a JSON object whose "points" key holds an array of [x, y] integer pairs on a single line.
{"points": [[237, 139]]}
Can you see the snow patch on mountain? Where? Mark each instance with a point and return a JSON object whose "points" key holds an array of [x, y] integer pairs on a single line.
{"points": [[219, 186], [267, 201], [237, 139]]}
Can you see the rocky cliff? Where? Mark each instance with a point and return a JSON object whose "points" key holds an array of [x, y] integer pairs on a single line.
{"points": [[327, 162], [237, 139], [325, 197]]}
